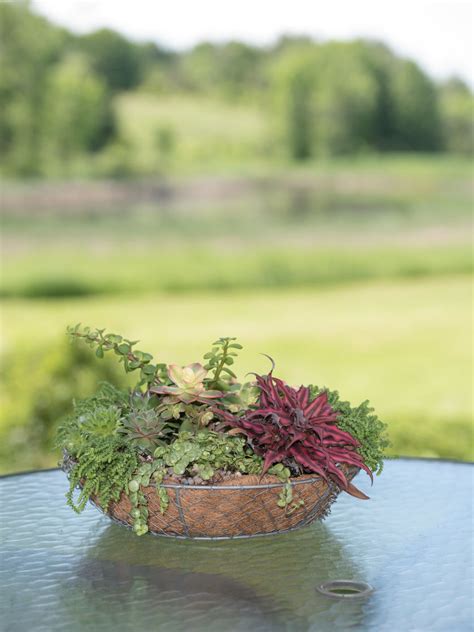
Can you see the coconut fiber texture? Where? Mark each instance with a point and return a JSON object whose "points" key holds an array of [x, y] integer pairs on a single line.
{"points": [[243, 506]]}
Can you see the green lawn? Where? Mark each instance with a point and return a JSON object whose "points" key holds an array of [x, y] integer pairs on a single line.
{"points": [[353, 274], [405, 345], [61, 272], [323, 223]]}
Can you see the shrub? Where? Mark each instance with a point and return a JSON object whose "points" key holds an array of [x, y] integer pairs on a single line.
{"points": [[39, 387]]}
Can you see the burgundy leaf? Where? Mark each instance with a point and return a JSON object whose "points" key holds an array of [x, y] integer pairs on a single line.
{"points": [[270, 459], [353, 491], [303, 396], [287, 427], [316, 406]]}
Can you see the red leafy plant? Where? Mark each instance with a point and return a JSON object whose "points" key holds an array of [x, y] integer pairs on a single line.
{"points": [[287, 427]]}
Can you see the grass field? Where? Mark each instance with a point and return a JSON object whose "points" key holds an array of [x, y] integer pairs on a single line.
{"points": [[196, 270], [404, 345], [398, 217], [356, 275]]}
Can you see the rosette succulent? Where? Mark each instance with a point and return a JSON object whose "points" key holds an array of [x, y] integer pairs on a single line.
{"points": [[144, 426], [289, 427], [188, 385]]}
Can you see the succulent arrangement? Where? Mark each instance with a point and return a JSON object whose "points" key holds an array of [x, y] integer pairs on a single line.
{"points": [[197, 425]]}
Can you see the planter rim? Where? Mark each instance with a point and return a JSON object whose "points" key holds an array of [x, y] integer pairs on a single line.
{"points": [[298, 480]]}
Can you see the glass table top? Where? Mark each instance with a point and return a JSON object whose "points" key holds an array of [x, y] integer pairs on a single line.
{"points": [[411, 542]]}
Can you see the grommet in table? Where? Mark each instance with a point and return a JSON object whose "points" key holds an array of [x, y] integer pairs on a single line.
{"points": [[345, 589]]}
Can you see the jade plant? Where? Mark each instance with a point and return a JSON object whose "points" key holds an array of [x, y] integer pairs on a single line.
{"points": [[198, 425]]}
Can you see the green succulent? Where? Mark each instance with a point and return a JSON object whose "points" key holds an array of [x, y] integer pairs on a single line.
{"points": [[145, 426], [242, 398], [180, 455], [87, 423], [204, 453], [218, 360], [197, 418], [101, 422], [188, 385], [171, 410]]}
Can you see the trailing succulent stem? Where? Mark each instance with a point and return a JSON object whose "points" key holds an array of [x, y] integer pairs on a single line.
{"points": [[132, 360], [141, 478], [285, 497]]}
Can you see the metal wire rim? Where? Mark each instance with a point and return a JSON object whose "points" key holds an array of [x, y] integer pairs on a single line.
{"points": [[293, 481]]}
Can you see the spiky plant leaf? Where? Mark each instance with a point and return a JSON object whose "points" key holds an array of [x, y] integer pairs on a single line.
{"points": [[291, 427]]}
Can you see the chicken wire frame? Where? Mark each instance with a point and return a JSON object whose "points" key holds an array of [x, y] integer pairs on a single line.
{"points": [[319, 510]]}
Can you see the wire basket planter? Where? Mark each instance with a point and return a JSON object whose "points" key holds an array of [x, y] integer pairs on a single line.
{"points": [[243, 507]]}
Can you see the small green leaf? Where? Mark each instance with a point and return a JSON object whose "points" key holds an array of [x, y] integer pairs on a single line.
{"points": [[134, 485], [113, 338], [228, 371]]}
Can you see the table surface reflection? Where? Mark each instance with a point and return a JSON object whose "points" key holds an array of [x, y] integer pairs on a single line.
{"points": [[411, 542]]}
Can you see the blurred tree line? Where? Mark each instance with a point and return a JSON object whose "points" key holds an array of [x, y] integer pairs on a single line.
{"points": [[57, 93]]}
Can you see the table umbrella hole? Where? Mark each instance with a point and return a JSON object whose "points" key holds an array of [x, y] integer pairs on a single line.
{"points": [[345, 589]]}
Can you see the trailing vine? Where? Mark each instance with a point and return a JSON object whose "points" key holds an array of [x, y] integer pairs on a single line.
{"points": [[285, 498], [132, 359]]}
